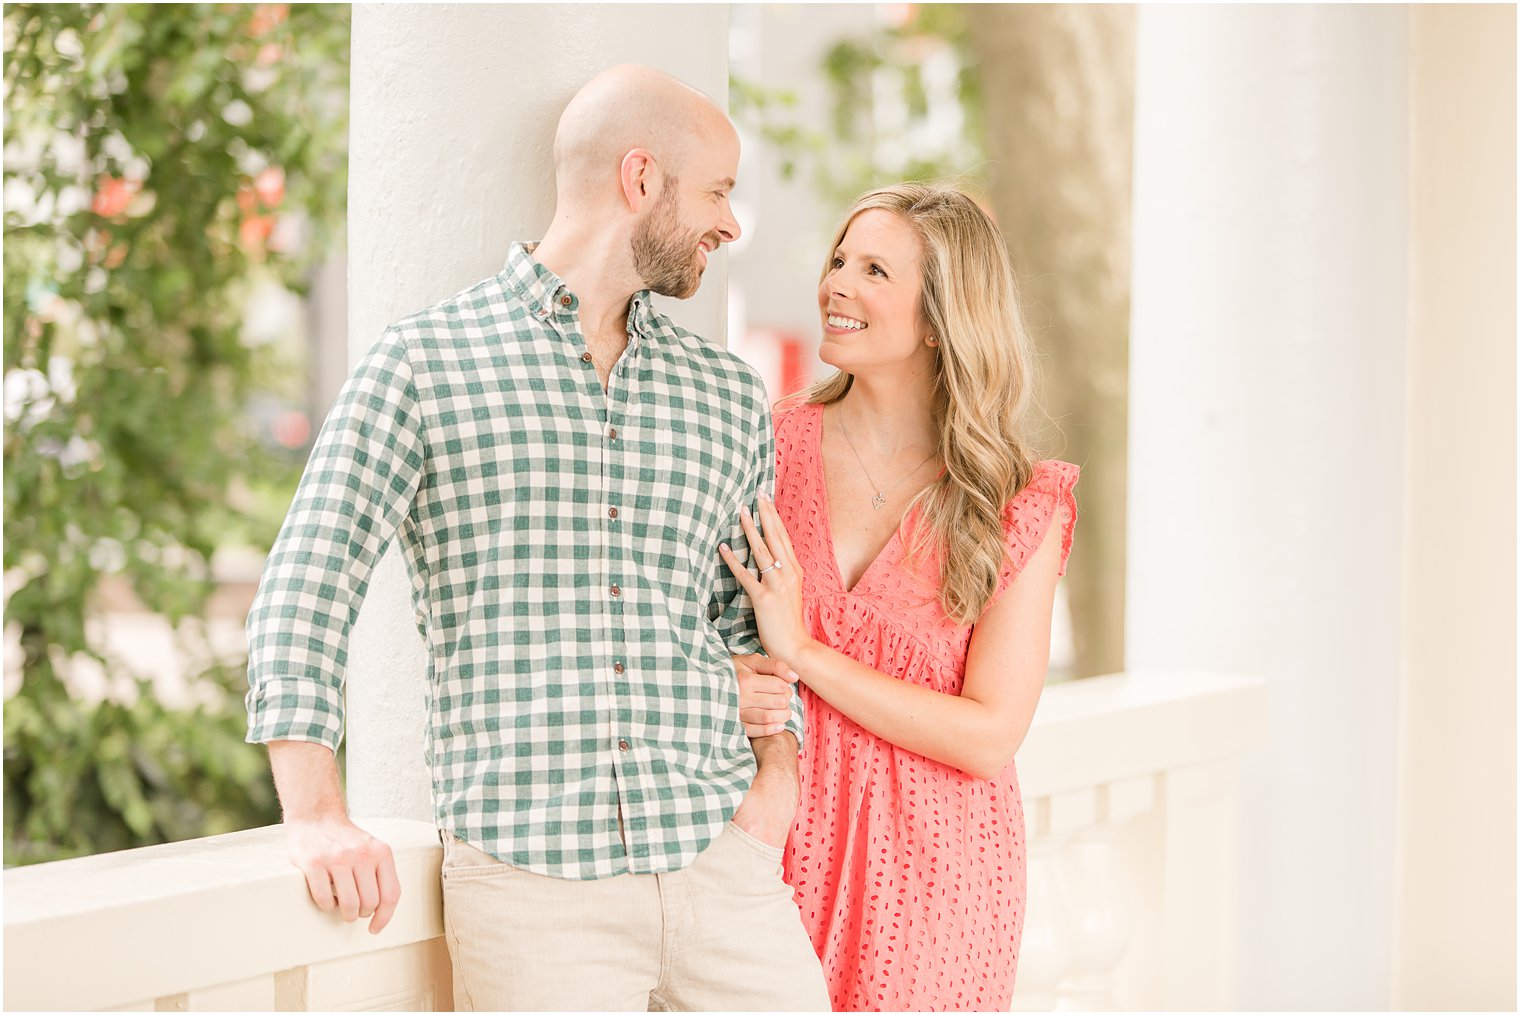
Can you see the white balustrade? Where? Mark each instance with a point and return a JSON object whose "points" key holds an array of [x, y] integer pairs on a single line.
{"points": [[220, 924], [1130, 795], [1130, 801]]}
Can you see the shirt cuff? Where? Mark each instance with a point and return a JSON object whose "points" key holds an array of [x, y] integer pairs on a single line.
{"points": [[287, 708], [794, 724]]}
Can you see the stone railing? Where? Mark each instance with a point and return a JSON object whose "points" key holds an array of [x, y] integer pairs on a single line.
{"points": [[1129, 786], [1131, 802], [220, 924]]}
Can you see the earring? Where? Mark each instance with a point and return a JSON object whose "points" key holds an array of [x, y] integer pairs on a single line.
{"points": [[931, 340]]}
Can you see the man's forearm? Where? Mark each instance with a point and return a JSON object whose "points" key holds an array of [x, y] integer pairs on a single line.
{"points": [[777, 754], [306, 777], [770, 806]]}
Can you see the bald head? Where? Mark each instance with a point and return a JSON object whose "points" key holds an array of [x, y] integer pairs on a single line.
{"points": [[625, 107]]}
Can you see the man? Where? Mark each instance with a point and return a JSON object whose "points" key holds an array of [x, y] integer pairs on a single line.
{"points": [[559, 463]]}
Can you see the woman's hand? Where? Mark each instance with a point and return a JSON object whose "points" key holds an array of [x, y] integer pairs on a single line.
{"points": [[776, 591], [765, 694]]}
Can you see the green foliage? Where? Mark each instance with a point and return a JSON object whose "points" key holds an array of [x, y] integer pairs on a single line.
{"points": [[155, 157], [770, 114], [82, 779], [906, 105]]}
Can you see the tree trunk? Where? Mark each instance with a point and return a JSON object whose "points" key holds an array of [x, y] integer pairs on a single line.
{"points": [[1058, 94]]}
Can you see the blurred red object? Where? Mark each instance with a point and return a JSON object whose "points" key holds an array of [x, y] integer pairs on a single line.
{"points": [[253, 233], [793, 372], [292, 429], [269, 185], [267, 17], [113, 195]]}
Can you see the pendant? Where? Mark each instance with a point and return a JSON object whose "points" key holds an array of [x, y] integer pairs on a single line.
{"points": [[878, 501]]}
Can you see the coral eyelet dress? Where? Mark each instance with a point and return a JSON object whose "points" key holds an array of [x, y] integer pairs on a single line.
{"points": [[909, 874]]}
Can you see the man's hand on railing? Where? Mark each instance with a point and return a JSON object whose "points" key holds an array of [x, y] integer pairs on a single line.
{"points": [[346, 868]]}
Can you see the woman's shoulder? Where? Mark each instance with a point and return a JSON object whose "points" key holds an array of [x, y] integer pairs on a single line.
{"points": [[792, 413], [792, 419]]}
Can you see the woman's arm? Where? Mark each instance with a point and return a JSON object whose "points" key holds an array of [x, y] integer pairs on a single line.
{"points": [[977, 731]]}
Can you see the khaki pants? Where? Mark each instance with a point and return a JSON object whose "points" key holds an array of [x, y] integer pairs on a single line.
{"points": [[721, 935]]}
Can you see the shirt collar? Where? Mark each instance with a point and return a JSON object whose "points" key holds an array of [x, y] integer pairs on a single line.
{"points": [[543, 290], [548, 296], [641, 314]]}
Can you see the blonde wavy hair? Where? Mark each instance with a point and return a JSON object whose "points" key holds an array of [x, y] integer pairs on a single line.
{"points": [[984, 376]]}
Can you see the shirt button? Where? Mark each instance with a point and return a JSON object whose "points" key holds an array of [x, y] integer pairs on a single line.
{"points": [[622, 745], [612, 512], [616, 591], [585, 357], [565, 301], [612, 433], [542, 312], [617, 667]]}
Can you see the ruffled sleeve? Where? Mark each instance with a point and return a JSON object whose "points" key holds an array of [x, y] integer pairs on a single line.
{"points": [[1049, 497]]}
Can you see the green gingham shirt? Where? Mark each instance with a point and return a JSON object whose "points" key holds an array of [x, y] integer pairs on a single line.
{"points": [[562, 547]]}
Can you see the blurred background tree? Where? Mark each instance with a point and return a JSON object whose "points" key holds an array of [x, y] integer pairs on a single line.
{"points": [[157, 160], [1059, 151], [907, 105]]}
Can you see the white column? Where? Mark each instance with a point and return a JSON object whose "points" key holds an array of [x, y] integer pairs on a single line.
{"points": [[1267, 449], [1455, 927], [453, 114]]}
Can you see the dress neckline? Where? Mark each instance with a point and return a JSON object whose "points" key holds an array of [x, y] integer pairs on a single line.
{"points": [[828, 520]]}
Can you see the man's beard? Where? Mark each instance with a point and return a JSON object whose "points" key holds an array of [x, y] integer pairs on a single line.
{"points": [[664, 254]]}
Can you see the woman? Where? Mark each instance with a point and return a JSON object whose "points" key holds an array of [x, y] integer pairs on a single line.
{"points": [[906, 577]]}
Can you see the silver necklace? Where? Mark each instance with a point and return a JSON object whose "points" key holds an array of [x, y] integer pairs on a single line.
{"points": [[881, 496]]}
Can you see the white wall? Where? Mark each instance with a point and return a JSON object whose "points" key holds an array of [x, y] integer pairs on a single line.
{"points": [[1455, 932], [453, 112], [1267, 447]]}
